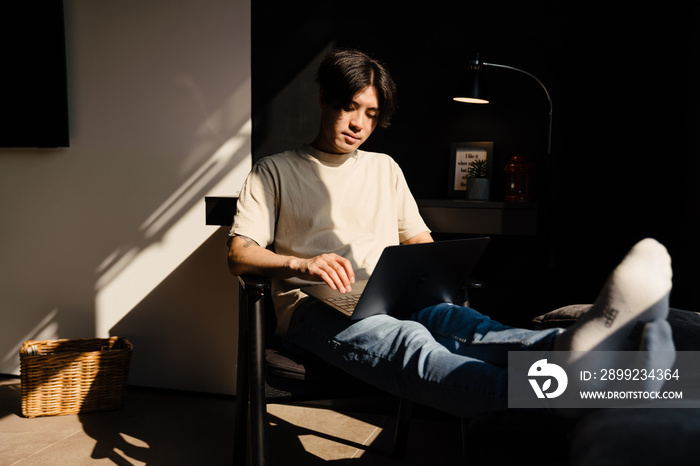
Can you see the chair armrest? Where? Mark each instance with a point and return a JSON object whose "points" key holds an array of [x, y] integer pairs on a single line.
{"points": [[255, 292], [254, 283]]}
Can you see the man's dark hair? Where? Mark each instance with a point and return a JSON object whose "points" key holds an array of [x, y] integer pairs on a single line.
{"points": [[345, 72]]}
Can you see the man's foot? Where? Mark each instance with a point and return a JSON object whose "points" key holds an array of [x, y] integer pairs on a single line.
{"points": [[637, 292]]}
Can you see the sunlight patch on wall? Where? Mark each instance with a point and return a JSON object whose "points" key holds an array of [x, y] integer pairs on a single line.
{"points": [[183, 195], [216, 127], [176, 229]]}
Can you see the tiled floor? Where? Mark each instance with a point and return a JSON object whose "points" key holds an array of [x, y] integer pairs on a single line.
{"points": [[157, 427]]}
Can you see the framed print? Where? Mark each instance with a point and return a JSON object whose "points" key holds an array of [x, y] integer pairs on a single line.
{"points": [[467, 160]]}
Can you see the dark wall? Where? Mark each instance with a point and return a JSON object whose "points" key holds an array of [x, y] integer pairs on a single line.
{"points": [[624, 86]]}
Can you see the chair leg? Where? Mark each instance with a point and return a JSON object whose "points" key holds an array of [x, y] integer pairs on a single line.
{"points": [[240, 427], [258, 406], [401, 433], [251, 408]]}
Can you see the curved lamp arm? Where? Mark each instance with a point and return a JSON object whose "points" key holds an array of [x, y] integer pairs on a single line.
{"points": [[476, 65], [549, 98]]}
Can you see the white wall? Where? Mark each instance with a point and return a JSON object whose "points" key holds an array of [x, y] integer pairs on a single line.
{"points": [[107, 237]]}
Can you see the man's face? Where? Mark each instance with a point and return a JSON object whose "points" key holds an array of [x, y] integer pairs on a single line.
{"points": [[344, 129]]}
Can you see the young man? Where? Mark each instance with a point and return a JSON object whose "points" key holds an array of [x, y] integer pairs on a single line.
{"points": [[326, 210]]}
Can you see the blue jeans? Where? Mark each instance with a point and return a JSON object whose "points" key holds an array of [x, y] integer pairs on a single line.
{"points": [[449, 357]]}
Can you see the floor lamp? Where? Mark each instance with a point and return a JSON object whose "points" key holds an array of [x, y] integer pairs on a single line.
{"points": [[473, 92]]}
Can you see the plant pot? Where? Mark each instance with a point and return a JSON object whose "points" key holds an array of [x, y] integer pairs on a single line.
{"points": [[478, 189]]}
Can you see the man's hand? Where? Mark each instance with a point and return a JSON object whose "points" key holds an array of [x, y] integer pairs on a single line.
{"points": [[333, 269], [246, 256]]}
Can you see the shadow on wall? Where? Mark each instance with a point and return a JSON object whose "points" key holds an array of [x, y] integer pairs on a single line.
{"points": [[173, 232], [172, 291], [182, 335]]}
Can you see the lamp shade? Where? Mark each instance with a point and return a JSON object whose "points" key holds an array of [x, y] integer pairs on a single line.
{"points": [[472, 91]]}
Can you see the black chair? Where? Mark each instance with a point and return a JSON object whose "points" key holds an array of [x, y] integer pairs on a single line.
{"points": [[266, 374]]}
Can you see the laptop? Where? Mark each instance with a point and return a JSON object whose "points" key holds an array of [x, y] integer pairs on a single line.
{"points": [[408, 278]]}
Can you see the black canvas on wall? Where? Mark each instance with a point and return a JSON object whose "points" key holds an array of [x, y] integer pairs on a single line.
{"points": [[33, 88]]}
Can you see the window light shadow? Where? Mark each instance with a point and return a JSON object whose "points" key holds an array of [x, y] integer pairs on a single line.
{"points": [[170, 234]]}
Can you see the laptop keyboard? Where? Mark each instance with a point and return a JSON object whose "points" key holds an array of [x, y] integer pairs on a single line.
{"points": [[346, 302]]}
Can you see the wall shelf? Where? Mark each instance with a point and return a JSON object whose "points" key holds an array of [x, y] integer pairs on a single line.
{"points": [[479, 217]]}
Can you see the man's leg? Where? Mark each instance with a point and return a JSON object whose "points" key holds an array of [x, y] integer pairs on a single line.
{"points": [[403, 357], [467, 332]]}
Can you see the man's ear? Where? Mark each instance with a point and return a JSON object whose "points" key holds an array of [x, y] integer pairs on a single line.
{"points": [[321, 100]]}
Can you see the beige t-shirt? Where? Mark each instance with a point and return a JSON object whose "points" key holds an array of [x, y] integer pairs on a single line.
{"points": [[305, 202]]}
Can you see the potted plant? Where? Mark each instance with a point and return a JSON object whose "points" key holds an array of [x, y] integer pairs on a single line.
{"points": [[477, 181]]}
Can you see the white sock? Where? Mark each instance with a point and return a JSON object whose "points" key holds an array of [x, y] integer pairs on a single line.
{"points": [[637, 292]]}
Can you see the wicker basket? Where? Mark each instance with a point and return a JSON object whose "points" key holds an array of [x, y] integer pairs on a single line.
{"points": [[73, 376]]}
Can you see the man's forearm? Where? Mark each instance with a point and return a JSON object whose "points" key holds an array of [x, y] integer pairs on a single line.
{"points": [[245, 256]]}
